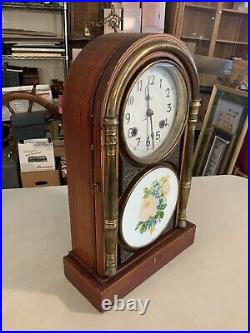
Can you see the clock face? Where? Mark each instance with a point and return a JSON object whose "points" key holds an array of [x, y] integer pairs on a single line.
{"points": [[154, 112], [149, 207]]}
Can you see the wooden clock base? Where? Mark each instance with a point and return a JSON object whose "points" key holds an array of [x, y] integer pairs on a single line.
{"points": [[139, 268]]}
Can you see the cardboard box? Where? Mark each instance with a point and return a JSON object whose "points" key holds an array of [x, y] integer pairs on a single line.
{"points": [[59, 149], [40, 178], [36, 156]]}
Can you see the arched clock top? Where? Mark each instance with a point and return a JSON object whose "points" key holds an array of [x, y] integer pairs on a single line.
{"points": [[141, 52]]}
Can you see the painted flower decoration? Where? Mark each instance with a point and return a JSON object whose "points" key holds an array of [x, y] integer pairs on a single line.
{"points": [[153, 205]]}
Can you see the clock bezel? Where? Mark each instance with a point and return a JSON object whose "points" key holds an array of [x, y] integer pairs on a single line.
{"points": [[127, 193], [179, 122]]}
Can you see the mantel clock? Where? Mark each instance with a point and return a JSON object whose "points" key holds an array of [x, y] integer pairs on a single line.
{"points": [[130, 109]]}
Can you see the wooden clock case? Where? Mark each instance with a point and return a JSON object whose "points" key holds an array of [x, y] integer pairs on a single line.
{"points": [[93, 95]]}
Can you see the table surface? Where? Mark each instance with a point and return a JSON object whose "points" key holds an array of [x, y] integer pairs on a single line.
{"points": [[204, 288]]}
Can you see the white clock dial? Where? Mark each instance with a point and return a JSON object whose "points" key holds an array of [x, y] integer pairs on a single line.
{"points": [[151, 108], [149, 207]]}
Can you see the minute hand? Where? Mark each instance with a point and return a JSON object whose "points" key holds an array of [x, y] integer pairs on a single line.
{"points": [[152, 131], [149, 114]]}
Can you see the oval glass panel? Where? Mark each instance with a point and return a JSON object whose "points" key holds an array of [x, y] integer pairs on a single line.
{"points": [[149, 207]]}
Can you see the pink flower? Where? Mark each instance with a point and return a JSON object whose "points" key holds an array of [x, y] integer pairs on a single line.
{"points": [[148, 208]]}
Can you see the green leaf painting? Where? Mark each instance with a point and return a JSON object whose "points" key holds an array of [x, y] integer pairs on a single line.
{"points": [[154, 202]]}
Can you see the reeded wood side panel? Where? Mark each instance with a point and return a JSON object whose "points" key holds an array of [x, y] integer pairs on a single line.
{"points": [[79, 94], [77, 108], [78, 140]]}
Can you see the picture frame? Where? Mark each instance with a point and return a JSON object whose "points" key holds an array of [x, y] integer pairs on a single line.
{"points": [[223, 132], [219, 145]]}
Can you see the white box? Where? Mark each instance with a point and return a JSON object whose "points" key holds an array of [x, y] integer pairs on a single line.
{"points": [[131, 19], [36, 140], [36, 156], [153, 16]]}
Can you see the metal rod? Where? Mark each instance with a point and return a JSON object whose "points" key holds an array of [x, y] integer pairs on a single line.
{"points": [[188, 164], [110, 196], [65, 25]]}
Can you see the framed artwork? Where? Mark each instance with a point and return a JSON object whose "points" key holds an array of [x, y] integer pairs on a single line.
{"points": [[216, 153], [223, 132]]}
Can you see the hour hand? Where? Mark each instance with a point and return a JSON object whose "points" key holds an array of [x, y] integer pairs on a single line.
{"points": [[147, 97], [147, 93]]}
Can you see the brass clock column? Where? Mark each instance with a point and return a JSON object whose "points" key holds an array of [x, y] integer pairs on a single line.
{"points": [[188, 166]]}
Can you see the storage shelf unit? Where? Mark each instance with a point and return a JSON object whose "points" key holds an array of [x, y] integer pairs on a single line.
{"points": [[230, 42], [216, 28], [9, 57], [30, 38], [33, 7], [55, 13], [195, 38], [203, 7], [234, 11]]}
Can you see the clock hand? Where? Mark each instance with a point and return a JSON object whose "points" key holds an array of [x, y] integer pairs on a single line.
{"points": [[149, 114], [152, 131], [147, 97], [147, 132]]}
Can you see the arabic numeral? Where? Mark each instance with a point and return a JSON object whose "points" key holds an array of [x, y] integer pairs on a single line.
{"points": [[158, 135], [167, 92], [138, 141], [130, 100], [166, 122], [148, 142], [169, 108], [151, 80], [130, 133], [139, 85], [127, 117]]}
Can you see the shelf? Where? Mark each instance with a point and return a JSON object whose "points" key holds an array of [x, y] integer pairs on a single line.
{"points": [[230, 42], [235, 11], [35, 29], [33, 7], [242, 43], [76, 39], [196, 38], [9, 57], [203, 7], [40, 38], [215, 28]]}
